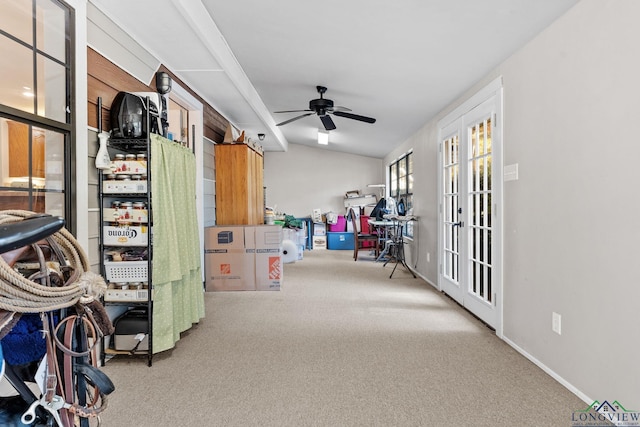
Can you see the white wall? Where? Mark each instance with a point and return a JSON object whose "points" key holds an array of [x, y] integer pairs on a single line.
{"points": [[571, 106], [305, 178]]}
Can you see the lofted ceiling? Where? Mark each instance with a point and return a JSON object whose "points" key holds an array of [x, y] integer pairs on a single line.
{"points": [[399, 62]]}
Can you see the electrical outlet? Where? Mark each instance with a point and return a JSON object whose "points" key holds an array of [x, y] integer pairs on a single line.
{"points": [[556, 323], [428, 257]]}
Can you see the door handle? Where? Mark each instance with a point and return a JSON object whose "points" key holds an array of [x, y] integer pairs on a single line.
{"points": [[458, 224]]}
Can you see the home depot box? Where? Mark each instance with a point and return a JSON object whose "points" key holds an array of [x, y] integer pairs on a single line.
{"points": [[229, 265], [267, 245]]}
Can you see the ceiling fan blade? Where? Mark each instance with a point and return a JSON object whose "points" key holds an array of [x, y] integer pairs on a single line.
{"points": [[294, 119], [292, 111], [327, 122], [354, 116], [339, 108]]}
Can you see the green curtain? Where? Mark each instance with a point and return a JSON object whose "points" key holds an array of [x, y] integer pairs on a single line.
{"points": [[178, 294]]}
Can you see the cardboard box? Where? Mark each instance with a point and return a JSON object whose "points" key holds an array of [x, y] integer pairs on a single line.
{"points": [[268, 257], [319, 242], [243, 258], [224, 237], [135, 167], [126, 215], [120, 187], [229, 270], [340, 241], [126, 235], [364, 200], [126, 295], [319, 229], [316, 216], [229, 265]]}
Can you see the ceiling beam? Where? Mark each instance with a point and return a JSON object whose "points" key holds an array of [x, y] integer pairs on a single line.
{"points": [[203, 25]]}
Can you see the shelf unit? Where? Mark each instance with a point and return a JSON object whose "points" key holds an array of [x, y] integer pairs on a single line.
{"points": [[126, 233]]}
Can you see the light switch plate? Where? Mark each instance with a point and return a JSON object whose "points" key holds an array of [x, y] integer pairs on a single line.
{"points": [[556, 323], [511, 172]]}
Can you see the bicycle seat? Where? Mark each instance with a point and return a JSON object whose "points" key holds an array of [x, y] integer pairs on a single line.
{"points": [[15, 235]]}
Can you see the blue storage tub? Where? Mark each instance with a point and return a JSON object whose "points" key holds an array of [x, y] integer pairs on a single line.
{"points": [[340, 241]]}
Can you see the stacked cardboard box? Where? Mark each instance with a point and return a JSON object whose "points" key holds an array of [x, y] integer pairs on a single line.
{"points": [[243, 258], [319, 236]]}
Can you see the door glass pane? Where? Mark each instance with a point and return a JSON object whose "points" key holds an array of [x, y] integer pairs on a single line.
{"points": [[16, 19], [31, 168], [51, 29], [54, 159], [52, 97], [450, 209], [479, 197], [16, 84]]}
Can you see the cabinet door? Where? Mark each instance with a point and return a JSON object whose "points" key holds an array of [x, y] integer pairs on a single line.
{"points": [[232, 190]]}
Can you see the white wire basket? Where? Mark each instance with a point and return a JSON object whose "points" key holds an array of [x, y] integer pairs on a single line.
{"points": [[126, 271]]}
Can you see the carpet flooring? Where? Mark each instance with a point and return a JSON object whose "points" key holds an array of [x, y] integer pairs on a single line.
{"points": [[341, 344]]}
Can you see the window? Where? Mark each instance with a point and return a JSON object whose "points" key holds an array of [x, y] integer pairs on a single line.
{"points": [[35, 106], [178, 117], [401, 184]]}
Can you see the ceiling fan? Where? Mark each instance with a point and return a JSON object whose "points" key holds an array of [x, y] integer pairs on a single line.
{"points": [[323, 107]]}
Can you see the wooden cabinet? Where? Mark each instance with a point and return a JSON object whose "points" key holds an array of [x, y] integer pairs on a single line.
{"points": [[239, 185], [19, 151]]}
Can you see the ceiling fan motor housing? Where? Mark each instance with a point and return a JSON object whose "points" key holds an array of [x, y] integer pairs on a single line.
{"points": [[321, 105], [324, 109]]}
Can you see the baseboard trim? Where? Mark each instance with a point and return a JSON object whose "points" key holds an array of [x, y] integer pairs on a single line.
{"points": [[549, 371], [423, 277], [573, 389]]}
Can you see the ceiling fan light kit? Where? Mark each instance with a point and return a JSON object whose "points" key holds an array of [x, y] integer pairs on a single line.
{"points": [[323, 108], [323, 137]]}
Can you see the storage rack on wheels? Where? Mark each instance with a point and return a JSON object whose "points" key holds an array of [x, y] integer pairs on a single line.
{"points": [[130, 146]]}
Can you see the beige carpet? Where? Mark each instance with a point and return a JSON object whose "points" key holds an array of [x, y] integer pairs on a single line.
{"points": [[340, 345]]}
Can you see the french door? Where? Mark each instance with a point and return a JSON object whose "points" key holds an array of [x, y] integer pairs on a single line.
{"points": [[470, 210]]}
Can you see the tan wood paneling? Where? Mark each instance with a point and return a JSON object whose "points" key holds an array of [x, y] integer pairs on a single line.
{"points": [[106, 79]]}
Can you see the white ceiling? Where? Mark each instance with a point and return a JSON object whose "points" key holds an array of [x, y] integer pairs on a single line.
{"points": [[400, 62]]}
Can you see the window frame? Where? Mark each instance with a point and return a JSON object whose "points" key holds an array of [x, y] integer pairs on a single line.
{"points": [[402, 190], [32, 119]]}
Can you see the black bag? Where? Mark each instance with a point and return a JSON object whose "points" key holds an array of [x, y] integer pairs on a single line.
{"points": [[379, 209], [402, 210]]}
